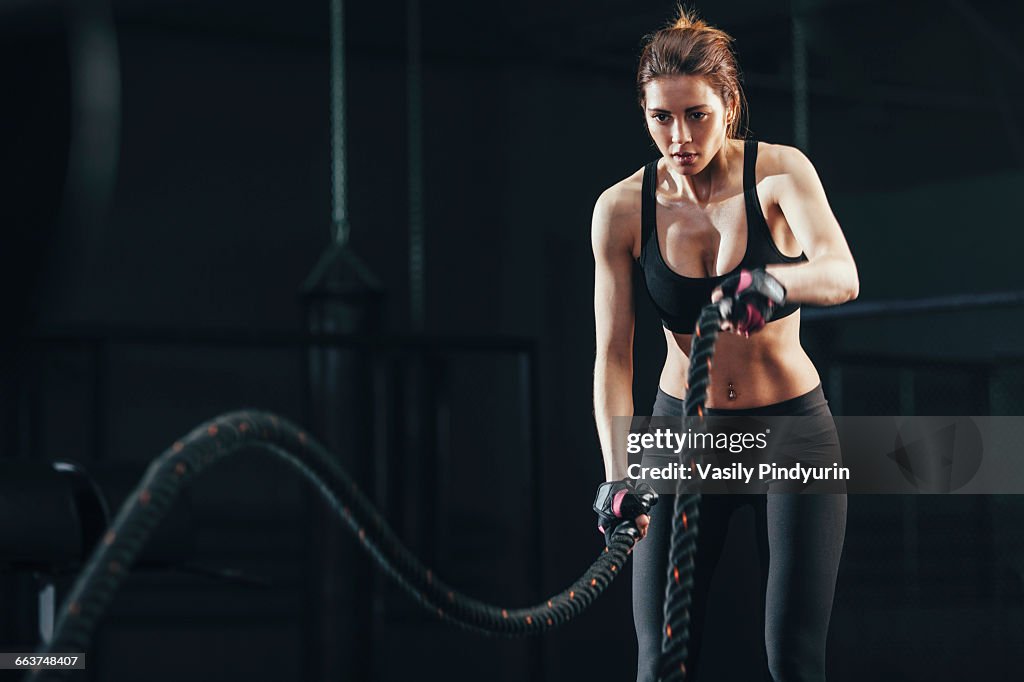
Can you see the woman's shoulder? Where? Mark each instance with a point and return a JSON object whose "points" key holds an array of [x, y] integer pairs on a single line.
{"points": [[623, 198], [783, 171], [779, 159], [617, 213]]}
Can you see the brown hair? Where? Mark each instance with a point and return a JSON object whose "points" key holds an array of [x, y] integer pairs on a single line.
{"points": [[689, 47]]}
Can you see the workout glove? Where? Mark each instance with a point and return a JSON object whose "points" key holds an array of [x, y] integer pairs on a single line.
{"points": [[750, 299], [618, 503]]}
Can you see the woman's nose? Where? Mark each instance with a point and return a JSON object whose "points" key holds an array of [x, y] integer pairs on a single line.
{"points": [[680, 133]]}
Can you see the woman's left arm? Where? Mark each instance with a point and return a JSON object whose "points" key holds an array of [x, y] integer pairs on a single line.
{"points": [[829, 277]]}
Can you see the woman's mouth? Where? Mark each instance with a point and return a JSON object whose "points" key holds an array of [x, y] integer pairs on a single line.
{"points": [[685, 158]]}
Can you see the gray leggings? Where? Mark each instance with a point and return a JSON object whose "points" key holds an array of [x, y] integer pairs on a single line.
{"points": [[799, 543]]}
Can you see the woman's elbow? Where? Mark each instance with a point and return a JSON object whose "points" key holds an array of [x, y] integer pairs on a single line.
{"points": [[844, 285], [852, 285]]}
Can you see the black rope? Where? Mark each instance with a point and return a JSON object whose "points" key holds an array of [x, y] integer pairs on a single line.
{"points": [[675, 636], [213, 441]]}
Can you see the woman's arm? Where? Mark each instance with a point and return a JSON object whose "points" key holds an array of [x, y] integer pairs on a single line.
{"points": [[612, 241], [829, 277]]}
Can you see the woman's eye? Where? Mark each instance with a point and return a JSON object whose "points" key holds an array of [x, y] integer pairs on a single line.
{"points": [[661, 117], [699, 115]]}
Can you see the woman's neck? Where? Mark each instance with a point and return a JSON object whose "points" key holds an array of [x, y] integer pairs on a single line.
{"points": [[702, 187]]}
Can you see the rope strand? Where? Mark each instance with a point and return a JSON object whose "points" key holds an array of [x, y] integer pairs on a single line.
{"points": [[167, 475], [675, 636]]}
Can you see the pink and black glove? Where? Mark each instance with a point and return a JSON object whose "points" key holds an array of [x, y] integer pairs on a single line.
{"points": [[750, 299], [618, 503]]}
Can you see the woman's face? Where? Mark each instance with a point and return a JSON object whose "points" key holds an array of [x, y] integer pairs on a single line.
{"points": [[687, 119]]}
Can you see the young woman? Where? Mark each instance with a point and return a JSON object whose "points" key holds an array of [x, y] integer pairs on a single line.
{"points": [[714, 216]]}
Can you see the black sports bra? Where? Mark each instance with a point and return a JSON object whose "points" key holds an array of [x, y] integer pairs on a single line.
{"points": [[678, 299]]}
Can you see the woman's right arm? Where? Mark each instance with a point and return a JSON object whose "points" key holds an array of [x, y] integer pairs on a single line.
{"points": [[612, 238]]}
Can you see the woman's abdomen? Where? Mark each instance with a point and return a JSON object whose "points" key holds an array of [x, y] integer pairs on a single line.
{"points": [[766, 368]]}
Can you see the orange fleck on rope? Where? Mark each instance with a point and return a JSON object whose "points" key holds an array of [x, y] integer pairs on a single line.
{"points": [[550, 605], [593, 581], [668, 631], [212, 429], [675, 573], [529, 620], [179, 468], [108, 539], [572, 594], [504, 614], [686, 520], [144, 497], [179, 446]]}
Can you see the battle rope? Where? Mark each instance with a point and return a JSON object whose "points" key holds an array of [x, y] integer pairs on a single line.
{"points": [[215, 440], [675, 637]]}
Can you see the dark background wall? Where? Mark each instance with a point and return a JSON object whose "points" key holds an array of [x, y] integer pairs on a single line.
{"points": [[217, 134]]}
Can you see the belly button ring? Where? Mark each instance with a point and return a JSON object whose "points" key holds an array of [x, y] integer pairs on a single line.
{"points": [[732, 392]]}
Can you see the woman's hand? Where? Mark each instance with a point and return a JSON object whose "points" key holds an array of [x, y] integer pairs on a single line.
{"points": [[642, 522], [619, 502], [747, 301]]}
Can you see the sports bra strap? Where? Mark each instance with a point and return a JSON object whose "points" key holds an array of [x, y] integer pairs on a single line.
{"points": [[648, 206], [749, 162], [750, 188]]}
